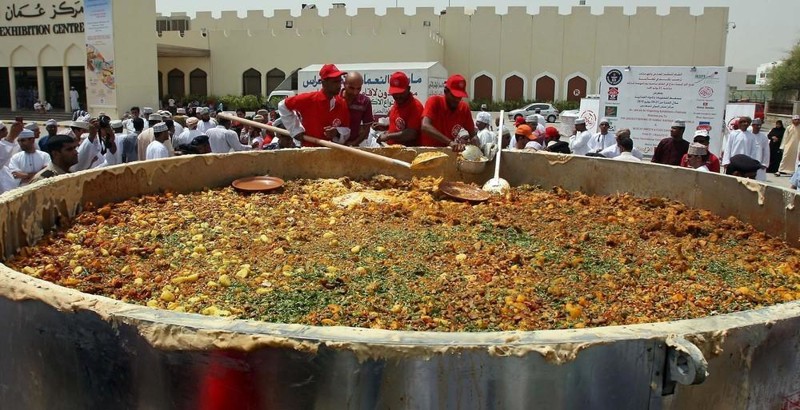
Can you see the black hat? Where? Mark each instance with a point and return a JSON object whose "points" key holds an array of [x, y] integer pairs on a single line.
{"points": [[199, 140], [743, 164]]}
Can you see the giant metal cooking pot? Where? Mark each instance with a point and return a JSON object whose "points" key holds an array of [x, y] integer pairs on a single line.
{"points": [[61, 349]]}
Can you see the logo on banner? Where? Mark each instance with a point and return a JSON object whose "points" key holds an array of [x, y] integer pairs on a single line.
{"points": [[456, 129], [591, 119], [614, 77], [706, 92], [704, 125], [613, 93]]}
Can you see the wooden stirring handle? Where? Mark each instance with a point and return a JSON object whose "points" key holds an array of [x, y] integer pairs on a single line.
{"points": [[324, 143]]}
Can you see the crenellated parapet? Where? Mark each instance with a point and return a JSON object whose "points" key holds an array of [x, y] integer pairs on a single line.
{"points": [[312, 19]]}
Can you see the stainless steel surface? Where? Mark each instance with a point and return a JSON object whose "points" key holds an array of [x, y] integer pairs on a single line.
{"points": [[64, 350]]}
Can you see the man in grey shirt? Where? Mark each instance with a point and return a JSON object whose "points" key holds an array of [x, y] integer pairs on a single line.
{"points": [[130, 145], [223, 140]]}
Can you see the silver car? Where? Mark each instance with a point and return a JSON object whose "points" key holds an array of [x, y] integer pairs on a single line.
{"points": [[549, 112]]}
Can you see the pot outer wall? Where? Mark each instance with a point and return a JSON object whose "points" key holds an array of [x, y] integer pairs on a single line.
{"points": [[67, 350]]}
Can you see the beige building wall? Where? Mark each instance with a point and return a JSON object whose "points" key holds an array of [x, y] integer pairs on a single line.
{"points": [[547, 38], [265, 43], [38, 50], [473, 43], [186, 65], [135, 59]]}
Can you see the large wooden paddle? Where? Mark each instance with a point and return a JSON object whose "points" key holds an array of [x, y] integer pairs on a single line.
{"points": [[423, 161]]}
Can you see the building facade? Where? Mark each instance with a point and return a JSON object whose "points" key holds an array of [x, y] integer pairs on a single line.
{"points": [[512, 56], [762, 72]]}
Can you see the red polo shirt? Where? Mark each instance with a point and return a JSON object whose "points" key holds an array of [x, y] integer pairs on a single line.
{"points": [[712, 163], [315, 113], [448, 122], [406, 116]]}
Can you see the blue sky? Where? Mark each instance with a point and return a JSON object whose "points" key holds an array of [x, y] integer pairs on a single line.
{"points": [[765, 29]]}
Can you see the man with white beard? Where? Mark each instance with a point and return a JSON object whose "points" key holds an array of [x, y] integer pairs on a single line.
{"points": [[206, 122]]}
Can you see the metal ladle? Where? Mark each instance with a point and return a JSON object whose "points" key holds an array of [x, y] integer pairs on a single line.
{"points": [[498, 185]]}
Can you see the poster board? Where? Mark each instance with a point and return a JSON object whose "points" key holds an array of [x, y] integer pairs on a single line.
{"points": [[100, 78], [590, 111], [648, 99]]}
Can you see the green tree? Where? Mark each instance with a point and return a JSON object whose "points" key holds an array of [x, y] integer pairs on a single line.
{"points": [[784, 79]]}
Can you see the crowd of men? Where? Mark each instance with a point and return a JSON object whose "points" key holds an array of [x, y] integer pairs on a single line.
{"points": [[341, 113]]}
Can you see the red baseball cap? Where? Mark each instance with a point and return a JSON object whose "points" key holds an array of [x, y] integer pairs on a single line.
{"points": [[457, 85], [551, 133], [330, 71], [398, 83]]}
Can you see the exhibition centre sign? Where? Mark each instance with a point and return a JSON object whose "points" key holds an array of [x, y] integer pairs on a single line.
{"points": [[42, 18]]}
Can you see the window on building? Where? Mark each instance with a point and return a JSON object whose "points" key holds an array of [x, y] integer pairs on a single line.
{"points": [[274, 78], [172, 24], [198, 82], [545, 89], [160, 84], [175, 84], [482, 88], [251, 82], [514, 88]]}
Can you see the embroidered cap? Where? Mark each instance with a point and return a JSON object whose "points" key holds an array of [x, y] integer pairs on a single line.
{"points": [[160, 127], [697, 148], [484, 117]]}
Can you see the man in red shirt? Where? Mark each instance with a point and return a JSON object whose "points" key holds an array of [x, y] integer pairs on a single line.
{"points": [[324, 113], [405, 116], [446, 116]]}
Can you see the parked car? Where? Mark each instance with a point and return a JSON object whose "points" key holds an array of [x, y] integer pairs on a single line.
{"points": [[549, 112]]}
